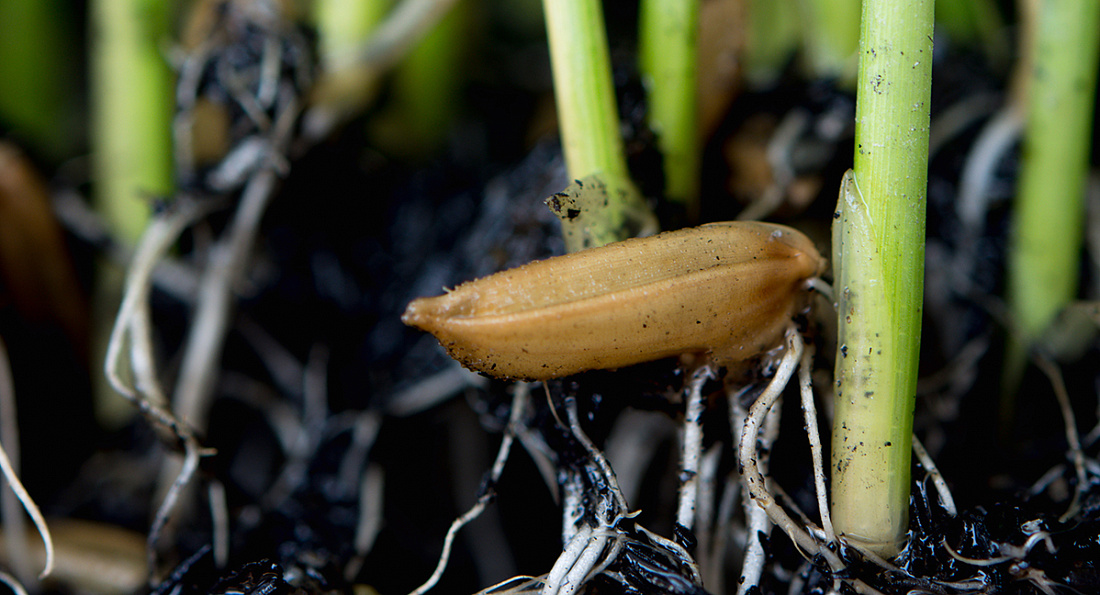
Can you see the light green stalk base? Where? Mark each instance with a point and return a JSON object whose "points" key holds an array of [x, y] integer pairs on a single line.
{"points": [[589, 118], [879, 263], [1050, 208], [132, 110], [667, 59]]}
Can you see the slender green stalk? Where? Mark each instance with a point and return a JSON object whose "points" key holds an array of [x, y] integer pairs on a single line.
{"points": [[879, 257], [832, 38], [589, 120], [1050, 207], [667, 58], [35, 73], [132, 110]]}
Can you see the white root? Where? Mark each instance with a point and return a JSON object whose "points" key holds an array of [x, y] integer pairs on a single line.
{"points": [[589, 549], [946, 499], [519, 409], [133, 326], [1073, 439], [706, 524], [11, 474], [810, 412], [692, 447], [748, 455], [752, 474]]}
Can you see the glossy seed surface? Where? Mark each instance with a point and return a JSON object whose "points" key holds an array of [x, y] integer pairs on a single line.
{"points": [[727, 289]]}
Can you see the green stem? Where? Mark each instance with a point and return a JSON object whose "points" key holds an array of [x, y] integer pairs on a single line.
{"points": [[589, 119], [667, 58], [1044, 259], [132, 110], [879, 257]]}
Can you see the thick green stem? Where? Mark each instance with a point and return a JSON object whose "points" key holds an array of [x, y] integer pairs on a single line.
{"points": [[589, 119], [132, 110], [667, 58], [879, 257], [1050, 208]]}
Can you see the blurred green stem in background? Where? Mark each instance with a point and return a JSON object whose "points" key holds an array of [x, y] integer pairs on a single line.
{"points": [[426, 91], [1045, 254], [774, 27], [667, 58], [344, 25], [132, 106], [977, 24]]}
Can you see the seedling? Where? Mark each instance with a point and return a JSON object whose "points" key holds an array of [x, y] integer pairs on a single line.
{"points": [[879, 263]]}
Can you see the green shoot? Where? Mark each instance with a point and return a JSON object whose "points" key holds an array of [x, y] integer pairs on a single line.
{"points": [[589, 120], [878, 255]]}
